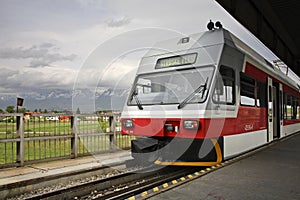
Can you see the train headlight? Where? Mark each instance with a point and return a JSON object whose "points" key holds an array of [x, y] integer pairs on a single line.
{"points": [[127, 123], [170, 127], [191, 124]]}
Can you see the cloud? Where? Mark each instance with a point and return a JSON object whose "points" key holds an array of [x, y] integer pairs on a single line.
{"points": [[47, 45], [31, 79], [91, 3], [118, 22], [48, 59], [40, 55]]}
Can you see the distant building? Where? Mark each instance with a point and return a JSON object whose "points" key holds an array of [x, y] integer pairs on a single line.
{"points": [[27, 115], [52, 118], [64, 118]]}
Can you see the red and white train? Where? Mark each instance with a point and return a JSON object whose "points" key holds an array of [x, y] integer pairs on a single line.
{"points": [[202, 99]]}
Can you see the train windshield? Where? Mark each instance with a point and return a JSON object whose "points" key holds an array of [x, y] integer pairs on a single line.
{"points": [[171, 87]]}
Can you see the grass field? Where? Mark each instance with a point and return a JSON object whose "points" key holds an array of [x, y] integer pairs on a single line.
{"points": [[49, 128]]}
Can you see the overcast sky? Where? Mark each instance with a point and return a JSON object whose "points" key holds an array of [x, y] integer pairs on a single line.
{"points": [[66, 44]]}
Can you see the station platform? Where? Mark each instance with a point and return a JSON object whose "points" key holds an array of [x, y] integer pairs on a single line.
{"points": [[272, 173], [30, 177]]}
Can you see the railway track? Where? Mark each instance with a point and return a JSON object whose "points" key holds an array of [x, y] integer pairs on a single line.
{"points": [[152, 180], [119, 186]]}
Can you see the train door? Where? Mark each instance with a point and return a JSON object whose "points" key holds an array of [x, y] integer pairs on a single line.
{"points": [[270, 111], [275, 112], [280, 113], [275, 105]]}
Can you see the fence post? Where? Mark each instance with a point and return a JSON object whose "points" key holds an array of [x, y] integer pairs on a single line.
{"points": [[20, 143], [112, 135], [74, 139]]}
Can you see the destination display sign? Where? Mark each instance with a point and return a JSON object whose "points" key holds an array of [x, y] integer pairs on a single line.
{"points": [[175, 61]]}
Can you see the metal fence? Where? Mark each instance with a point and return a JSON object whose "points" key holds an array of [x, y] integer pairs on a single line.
{"points": [[39, 137]]}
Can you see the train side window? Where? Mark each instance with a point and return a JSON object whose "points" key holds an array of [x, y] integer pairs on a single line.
{"points": [[295, 108], [284, 106], [281, 105], [289, 107], [224, 92], [261, 94], [247, 90]]}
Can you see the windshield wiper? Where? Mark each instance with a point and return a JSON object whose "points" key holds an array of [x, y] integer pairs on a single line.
{"points": [[200, 89], [137, 100]]}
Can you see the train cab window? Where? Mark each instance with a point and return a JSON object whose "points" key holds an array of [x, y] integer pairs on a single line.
{"points": [[247, 90], [224, 92]]}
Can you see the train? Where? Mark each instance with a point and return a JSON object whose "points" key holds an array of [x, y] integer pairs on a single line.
{"points": [[205, 98]]}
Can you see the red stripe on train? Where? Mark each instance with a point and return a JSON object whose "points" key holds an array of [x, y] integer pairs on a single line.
{"points": [[249, 119]]}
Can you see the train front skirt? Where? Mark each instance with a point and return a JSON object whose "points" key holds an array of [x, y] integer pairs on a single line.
{"points": [[178, 151]]}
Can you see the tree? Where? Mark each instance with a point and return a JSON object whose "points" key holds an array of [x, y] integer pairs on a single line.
{"points": [[22, 110], [10, 109], [1, 111]]}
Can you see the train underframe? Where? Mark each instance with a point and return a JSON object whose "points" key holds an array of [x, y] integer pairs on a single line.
{"points": [[177, 151]]}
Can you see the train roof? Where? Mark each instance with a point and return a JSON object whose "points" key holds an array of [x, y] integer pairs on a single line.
{"points": [[212, 43], [264, 64]]}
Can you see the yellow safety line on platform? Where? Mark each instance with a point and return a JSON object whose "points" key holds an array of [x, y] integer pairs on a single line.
{"points": [[172, 183]]}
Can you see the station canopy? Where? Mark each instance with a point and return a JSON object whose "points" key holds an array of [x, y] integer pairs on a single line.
{"points": [[275, 22]]}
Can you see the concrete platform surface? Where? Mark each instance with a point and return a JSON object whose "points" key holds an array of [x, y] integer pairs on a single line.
{"points": [[273, 173]]}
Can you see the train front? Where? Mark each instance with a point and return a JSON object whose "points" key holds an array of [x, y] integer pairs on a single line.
{"points": [[168, 106]]}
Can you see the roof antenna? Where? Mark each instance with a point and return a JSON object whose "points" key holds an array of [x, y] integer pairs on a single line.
{"points": [[219, 25], [210, 25]]}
